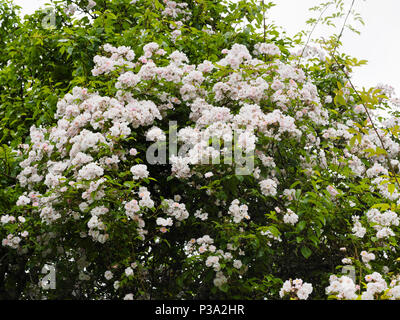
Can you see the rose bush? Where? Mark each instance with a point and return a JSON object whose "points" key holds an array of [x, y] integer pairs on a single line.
{"points": [[50, 52], [281, 176]]}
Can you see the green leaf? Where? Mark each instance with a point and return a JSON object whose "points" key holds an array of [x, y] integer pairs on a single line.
{"points": [[339, 100], [299, 239], [382, 206], [301, 225], [306, 252], [391, 188]]}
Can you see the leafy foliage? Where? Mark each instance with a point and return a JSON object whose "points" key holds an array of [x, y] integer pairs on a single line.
{"points": [[323, 190]]}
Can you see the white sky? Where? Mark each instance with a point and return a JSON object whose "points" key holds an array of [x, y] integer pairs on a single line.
{"points": [[378, 42]]}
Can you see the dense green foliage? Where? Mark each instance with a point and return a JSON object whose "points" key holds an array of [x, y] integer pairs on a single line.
{"points": [[322, 161]]}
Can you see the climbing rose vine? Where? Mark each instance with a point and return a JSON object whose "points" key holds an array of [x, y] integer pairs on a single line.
{"points": [[257, 175]]}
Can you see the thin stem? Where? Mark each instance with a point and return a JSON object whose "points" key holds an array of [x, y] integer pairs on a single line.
{"points": [[310, 34], [333, 52], [264, 21], [372, 123], [343, 27]]}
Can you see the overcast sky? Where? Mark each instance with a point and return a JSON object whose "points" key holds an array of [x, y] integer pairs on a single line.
{"points": [[378, 43]]}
